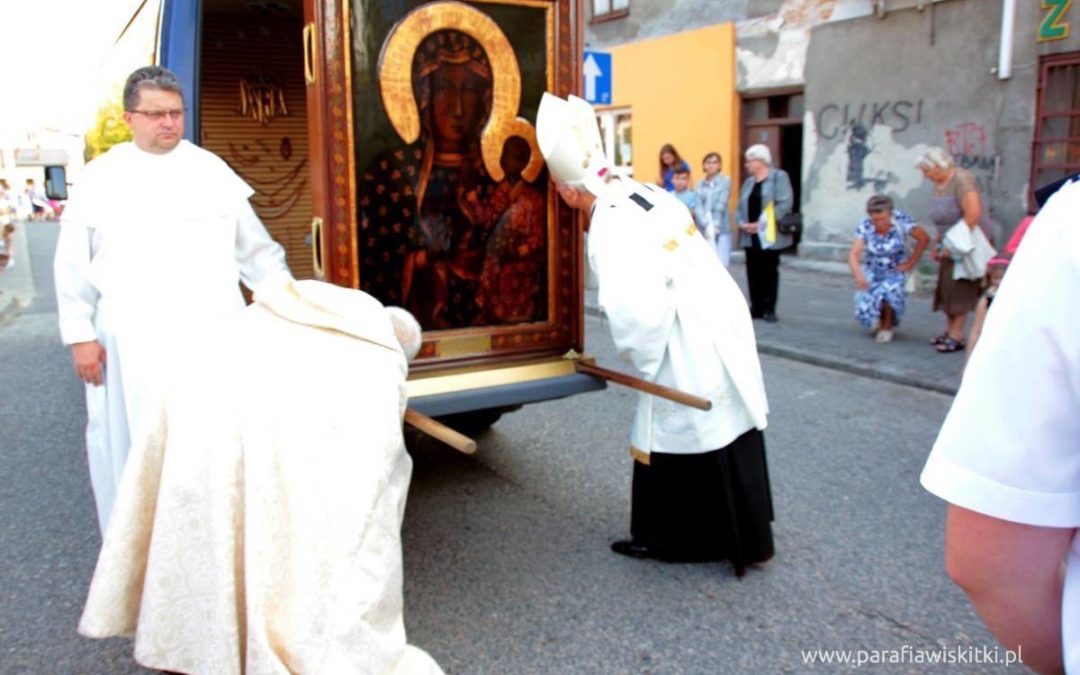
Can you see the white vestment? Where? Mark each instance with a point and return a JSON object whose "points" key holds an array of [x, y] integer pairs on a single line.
{"points": [[679, 317], [1010, 446], [257, 527], [151, 251]]}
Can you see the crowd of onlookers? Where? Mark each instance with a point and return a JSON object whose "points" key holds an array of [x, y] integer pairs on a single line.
{"points": [[30, 204], [882, 257]]}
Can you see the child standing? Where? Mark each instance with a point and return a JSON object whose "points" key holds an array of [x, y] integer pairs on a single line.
{"points": [[995, 272], [681, 182]]}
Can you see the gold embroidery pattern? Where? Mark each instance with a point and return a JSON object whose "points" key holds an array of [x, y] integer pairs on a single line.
{"points": [[639, 455]]}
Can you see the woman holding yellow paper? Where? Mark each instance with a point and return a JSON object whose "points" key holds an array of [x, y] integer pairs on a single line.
{"points": [[765, 198]]}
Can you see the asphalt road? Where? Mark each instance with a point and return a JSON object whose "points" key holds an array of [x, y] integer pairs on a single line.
{"points": [[507, 561]]}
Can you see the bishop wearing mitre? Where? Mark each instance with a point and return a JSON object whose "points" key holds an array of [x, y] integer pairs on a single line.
{"points": [[700, 488]]}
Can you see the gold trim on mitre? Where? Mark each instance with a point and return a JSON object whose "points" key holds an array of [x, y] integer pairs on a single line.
{"points": [[396, 85]]}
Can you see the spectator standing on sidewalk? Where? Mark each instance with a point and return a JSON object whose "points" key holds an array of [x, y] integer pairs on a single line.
{"points": [[713, 196], [7, 246], [7, 227], [670, 160], [995, 273], [766, 197], [956, 196], [879, 261], [1006, 458]]}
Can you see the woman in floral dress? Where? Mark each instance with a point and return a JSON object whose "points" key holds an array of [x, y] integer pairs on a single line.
{"points": [[879, 277]]}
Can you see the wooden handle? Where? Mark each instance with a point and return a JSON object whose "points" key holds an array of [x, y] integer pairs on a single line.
{"points": [[641, 385], [454, 439]]}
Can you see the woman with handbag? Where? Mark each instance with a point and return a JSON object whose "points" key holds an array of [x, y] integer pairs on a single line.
{"points": [[882, 237], [765, 198], [956, 196]]}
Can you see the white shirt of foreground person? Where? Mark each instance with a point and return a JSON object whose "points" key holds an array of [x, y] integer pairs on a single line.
{"points": [[151, 250], [1010, 446], [257, 528], [679, 317]]}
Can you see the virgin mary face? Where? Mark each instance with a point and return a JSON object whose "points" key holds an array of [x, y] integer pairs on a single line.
{"points": [[457, 107]]}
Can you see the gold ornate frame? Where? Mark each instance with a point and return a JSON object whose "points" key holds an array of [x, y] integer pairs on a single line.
{"points": [[563, 328]]}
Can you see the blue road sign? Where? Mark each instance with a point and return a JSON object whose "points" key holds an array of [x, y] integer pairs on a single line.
{"points": [[597, 75]]}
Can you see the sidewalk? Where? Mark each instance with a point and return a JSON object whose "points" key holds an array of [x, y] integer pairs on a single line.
{"points": [[17, 282], [817, 325]]}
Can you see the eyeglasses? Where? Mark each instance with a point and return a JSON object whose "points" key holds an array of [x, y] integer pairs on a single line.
{"points": [[158, 115]]}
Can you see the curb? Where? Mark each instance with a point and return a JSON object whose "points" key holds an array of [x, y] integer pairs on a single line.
{"points": [[833, 363]]}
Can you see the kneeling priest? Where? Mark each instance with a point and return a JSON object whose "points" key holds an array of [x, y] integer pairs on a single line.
{"points": [[257, 528]]}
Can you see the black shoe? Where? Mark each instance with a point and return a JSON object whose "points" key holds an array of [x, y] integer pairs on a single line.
{"points": [[632, 548], [770, 317]]}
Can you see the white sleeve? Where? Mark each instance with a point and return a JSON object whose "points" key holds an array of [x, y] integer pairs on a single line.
{"points": [[258, 256], [1010, 446], [635, 290], [76, 297]]}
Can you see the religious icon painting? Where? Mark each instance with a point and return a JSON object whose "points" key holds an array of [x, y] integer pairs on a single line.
{"points": [[453, 215]]}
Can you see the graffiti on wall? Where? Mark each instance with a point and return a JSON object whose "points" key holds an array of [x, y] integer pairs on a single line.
{"points": [[969, 144], [835, 119], [859, 147]]}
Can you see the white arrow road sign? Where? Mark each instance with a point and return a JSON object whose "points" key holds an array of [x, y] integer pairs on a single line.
{"points": [[592, 72]]}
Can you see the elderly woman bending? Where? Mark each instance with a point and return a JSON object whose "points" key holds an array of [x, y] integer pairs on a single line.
{"points": [[881, 244], [956, 196]]}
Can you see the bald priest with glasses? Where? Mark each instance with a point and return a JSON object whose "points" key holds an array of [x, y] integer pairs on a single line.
{"points": [[153, 242]]}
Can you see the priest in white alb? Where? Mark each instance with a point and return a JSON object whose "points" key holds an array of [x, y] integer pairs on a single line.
{"points": [[257, 528], [700, 484], [153, 244]]}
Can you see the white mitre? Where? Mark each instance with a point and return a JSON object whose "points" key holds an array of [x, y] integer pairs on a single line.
{"points": [[569, 140]]}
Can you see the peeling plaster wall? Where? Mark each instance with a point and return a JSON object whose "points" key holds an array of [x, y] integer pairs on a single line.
{"points": [[771, 49], [880, 91]]}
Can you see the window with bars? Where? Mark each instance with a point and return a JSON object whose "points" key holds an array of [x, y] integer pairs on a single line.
{"points": [[610, 9], [1056, 148]]}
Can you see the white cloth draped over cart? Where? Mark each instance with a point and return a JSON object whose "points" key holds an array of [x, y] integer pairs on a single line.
{"points": [[151, 251], [257, 527]]}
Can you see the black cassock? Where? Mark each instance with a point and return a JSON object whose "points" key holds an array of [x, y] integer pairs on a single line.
{"points": [[705, 507]]}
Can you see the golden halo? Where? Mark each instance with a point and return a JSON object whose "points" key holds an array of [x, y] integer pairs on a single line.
{"points": [[492, 146], [395, 75]]}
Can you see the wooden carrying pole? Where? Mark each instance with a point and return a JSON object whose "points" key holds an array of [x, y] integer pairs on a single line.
{"points": [[454, 439], [641, 385]]}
